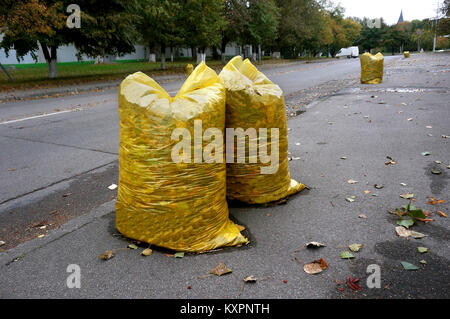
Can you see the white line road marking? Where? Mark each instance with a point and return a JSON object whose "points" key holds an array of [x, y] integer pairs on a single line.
{"points": [[38, 116]]}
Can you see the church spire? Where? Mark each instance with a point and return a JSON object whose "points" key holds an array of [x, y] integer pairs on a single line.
{"points": [[400, 19]]}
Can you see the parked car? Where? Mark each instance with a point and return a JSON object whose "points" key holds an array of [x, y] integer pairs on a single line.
{"points": [[351, 52]]}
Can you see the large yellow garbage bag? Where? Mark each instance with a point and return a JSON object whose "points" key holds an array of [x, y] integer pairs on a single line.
{"points": [[253, 101], [406, 54], [371, 68], [180, 206]]}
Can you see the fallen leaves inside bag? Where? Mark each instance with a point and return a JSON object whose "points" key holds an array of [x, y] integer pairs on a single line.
{"points": [[176, 205]]}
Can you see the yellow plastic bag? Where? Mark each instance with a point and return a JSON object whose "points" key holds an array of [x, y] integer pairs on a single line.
{"points": [[189, 69], [180, 206], [406, 54], [253, 101], [371, 68]]}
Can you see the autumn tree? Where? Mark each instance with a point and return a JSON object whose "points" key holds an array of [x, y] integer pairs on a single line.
{"points": [[30, 25]]}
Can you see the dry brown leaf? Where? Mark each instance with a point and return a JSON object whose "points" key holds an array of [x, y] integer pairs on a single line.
{"points": [[250, 279], [220, 269], [442, 214], [106, 255], [315, 267]]}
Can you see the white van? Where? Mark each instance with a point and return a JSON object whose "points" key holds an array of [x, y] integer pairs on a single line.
{"points": [[351, 52]]}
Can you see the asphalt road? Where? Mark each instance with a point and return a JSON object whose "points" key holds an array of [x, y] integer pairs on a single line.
{"points": [[59, 166]]}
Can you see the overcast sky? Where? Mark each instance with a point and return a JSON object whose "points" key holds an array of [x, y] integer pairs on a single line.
{"points": [[390, 9]]}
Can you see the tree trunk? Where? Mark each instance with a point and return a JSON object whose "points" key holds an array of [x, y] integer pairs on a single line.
{"points": [[163, 56], [151, 54], [222, 53], [51, 59], [259, 53], [194, 53], [171, 54]]}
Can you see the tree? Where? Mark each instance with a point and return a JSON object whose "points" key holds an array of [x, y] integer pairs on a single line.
{"points": [[235, 14], [298, 27], [202, 23], [159, 24], [106, 28], [32, 23], [262, 24]]}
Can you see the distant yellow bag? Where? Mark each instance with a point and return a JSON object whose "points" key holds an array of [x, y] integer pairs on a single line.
{"points": [[371, 68], [406, 54], [178, 206], [253, 101], [189, 68]]}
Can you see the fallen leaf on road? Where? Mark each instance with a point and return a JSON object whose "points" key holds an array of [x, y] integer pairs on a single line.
{"points": [[179, 255], [346, 255], [355, 247], [416, 234], [343, 157], [314, 244], [132, 246], [350, 199], [428, 126], [438, 162], [315, 267], [435, 171], [351, 181], [426, 153], [378, 186], [402, 231], [403, 184], [405, 222], [2, 243], [408, 266], [67, 195], [410, 119], [146, 252], [445, 136], [407, 195], [352, 283], [220, 269], [250, 279], [423, 261], [106, 255], [112, 186], [442, 214], [422, 249], [362, 216], [367, 192], [41, 235]]}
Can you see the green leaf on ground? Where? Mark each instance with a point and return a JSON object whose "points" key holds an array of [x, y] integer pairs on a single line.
{"points": [[132, 246], [346, 255], [422, 249], [179, 255], [423, 261], [405, 222], [409, 266]]}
